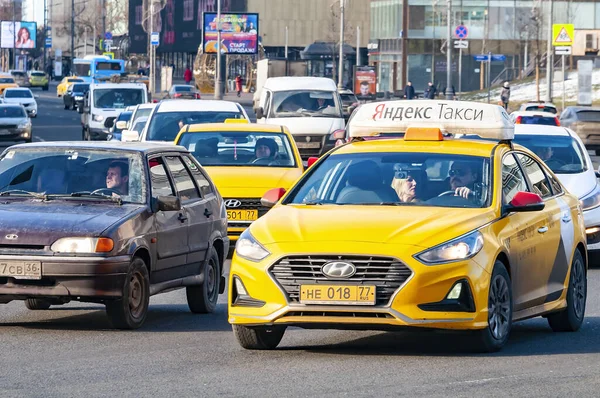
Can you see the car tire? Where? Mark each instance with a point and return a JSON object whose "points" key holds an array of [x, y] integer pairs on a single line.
{"points": [[258, 338], [37, 304], [202, 299], [571, 317], [500, 311], [130, 311]]}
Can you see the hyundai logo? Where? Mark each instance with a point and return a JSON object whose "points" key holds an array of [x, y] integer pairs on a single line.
{"points": [[338, 269], [11, 236], [232, 203]]}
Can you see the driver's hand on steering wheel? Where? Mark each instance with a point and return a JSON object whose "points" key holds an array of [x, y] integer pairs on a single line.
{"points": [[463, 192]]}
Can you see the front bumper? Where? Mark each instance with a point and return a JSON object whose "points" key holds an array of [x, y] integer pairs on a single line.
{"points": [[70, 278], [418, 302], [15, 134]]}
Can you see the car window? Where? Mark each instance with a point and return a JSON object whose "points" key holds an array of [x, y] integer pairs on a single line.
{"points": [[541, 108], [543, 120], [588, 116], [513, 180], [562, 154], [537, 177], [305, 103], [183, 88], [164, 126], [201, 179], [556, 188], [18, 94], [7, 80], [159, 180], [183, 180], [38, 74]]}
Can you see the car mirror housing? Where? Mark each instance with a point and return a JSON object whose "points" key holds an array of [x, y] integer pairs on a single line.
{"points": [[524, 202], [272, 196], [121, 125], [168, 203]]}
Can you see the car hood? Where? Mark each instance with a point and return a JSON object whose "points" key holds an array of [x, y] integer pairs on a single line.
{"points": [[309, 125], [409, 225], [579, 184], [11, 121], [43, 223], [251, 182], [18, 100]]}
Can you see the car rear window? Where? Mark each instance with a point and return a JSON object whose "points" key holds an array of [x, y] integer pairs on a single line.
{"points": [[7, 80], [546, 121], [40, 74], [18, 74], [588, 116], [183, 88], [541, 108]]}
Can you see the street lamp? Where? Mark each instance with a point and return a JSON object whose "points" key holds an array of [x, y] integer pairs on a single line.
{"points": [[341, 56], [448, 53], [218, 82]]}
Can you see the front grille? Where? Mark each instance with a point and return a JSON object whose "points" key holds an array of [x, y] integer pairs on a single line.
{"points": [[247, 203], [386, 273], [8, 126], [341, 314], [312, 147]]}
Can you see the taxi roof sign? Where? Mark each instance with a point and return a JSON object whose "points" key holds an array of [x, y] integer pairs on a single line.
{"points": [[239, 121], [423, 134], [455, 117]]}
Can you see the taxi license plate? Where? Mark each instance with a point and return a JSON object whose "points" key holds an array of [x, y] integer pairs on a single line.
{"points": [[308, 145], [242, 215], [337, 294], [21, 269]]}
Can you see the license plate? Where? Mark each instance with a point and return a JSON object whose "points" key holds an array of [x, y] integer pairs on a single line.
{"points": [[337, 294], [242, 215], [21, 269], [308, 145]]}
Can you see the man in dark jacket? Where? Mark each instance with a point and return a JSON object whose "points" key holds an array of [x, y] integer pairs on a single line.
{"points": [[409, 91], [505, 95], [430, 91]]}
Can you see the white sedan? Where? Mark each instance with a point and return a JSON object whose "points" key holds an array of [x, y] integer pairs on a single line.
{"points": [[563, 152], [22, 96], [535, 117]]}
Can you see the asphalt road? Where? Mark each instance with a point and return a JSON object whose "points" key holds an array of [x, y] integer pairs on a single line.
{"points": [[70, 350]]}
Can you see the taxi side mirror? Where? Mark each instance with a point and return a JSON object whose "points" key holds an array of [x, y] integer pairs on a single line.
{"points": [[121, 124], [311, 160], [525, 201], [272, 196]]}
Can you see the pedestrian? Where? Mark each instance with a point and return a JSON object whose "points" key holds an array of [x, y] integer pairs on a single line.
{"points": [[409, 91], [187, 75], [505, 95], [430, 91], [238, 84]]}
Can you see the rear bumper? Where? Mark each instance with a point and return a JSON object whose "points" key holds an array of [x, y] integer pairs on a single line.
{"points": [[76, 278]]}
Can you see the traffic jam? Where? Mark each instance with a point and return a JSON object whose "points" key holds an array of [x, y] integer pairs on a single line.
{"points": [[421, 214]]}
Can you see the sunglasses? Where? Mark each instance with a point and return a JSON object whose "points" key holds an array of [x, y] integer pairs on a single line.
{"points": [[458, 173]]}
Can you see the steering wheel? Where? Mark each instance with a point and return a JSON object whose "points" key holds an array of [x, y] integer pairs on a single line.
{"points": [[558, 162], [446, 193], [102, 191], [262, 161]]}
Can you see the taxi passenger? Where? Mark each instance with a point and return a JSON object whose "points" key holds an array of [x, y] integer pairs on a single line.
{"points": [[405, 185]]}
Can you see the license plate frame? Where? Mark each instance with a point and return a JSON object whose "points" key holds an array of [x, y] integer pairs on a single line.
{"points": [[331, 294], [242, 215], [21, 269], [308, 145]]}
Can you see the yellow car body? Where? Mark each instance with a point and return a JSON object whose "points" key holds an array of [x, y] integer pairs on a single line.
{"points": [[7, 81], [38, 79], [61, 89], [385, 244], [245, 184]]}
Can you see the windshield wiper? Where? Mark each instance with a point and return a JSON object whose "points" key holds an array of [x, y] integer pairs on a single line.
{"points": [[315, 202], [20, 192], [116, 199]]}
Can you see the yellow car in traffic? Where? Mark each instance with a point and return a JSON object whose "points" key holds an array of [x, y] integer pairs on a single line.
{"points": [[61, 89], [7, 81], [38, 79], [426, 231], [244, 161]]}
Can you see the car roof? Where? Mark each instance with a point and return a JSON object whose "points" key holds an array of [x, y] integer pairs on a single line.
{"points": [[288, 83], [144, 147], [533, 113], [117, 85], [544, 103], [212, 127], [583, 108], [538, 129], [177, 105], [10, 105], [17, 89], [147, 105]]}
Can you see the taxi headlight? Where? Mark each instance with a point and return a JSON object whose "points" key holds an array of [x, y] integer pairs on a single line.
{"points": [[247, 247], [458, 249], [591, 200], [83, 245]]}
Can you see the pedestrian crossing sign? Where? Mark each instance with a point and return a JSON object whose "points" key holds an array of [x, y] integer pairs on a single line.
{"points": [[563, 34]]}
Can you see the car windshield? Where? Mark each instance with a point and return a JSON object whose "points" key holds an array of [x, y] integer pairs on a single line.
{"points": [[18, 74], [562, 154], [81, 88], [183, 88], [543, 120], [300, 103], [388, 178], [74, 80], [240, 148], [12, 111], [73, 173], [7, 80], [588, 116], [124, 116], [164, 126], [117, 98], [139, 125], [348, 98], [541, 108], [143, 112], [38, 74], [18, 94]]}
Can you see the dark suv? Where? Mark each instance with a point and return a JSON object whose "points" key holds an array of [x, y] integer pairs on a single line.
{"points": [[110, 223]]}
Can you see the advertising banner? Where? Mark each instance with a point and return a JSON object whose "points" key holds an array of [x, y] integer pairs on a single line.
{"points": [[365, 81], [25, 38], [239, 33]]}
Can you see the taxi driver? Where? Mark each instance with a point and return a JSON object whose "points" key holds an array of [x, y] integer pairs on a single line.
{"points": [[463, 176], [117, 177]]}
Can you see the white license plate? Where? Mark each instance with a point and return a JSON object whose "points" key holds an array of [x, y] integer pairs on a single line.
{"points": [[21, 269], [308, 145]]}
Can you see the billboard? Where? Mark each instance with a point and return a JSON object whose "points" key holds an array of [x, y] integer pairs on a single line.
{"points": [[25, 37], [239, 33], [365, 81]]}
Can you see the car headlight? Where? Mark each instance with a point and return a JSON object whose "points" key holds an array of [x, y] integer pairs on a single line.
{"points": [[591, 200], [458, 249], [247, 247], [97, 118], [82, 245], [78, 97]]}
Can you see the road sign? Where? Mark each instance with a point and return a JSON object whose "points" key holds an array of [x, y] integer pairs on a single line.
{"points": [[154, 39], [107, 44], [563, 34], [48, 42], [563, 50], [461, 32], [498, 57], [110, 55], [481, 58], [461, 44], [108, 36]]}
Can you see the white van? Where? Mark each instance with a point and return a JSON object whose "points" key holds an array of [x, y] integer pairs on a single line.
{"points": [[310, 107], [103, 103]]}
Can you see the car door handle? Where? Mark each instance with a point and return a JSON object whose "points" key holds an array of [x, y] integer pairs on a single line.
{"points": [[182, 217], [543, 230], [207, 212]]}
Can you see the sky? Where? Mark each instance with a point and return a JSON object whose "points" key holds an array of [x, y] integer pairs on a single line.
{"points": [[33, 11]]}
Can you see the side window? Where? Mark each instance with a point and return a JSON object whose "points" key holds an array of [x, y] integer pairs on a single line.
{"points": [[159, 179], [183, 181], [537, 177], [513, 180], [201, 180], [267, 103], [556, 188]]}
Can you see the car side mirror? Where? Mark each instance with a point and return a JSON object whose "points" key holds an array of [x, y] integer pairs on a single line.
{"points": [[168, 203], [130, 135], [524, 202], [272, 196], [108, 123], [260, 112], [597, 174], [311, 160], [121, 124]]}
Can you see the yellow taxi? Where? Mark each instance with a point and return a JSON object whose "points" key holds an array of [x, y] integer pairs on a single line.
{"points": [[7, 81], [61, 89], [244, 161], [424, 231]]}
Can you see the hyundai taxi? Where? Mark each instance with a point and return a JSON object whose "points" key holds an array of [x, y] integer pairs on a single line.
{"points": [[61, 88], [244, 161], [425, 231]]}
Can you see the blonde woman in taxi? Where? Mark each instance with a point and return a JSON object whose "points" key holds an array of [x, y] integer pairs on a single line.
{"points": [[406, 188]]}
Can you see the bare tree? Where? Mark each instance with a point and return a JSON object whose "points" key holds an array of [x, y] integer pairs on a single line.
{"points": [[333, 33], [538, 42]]}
